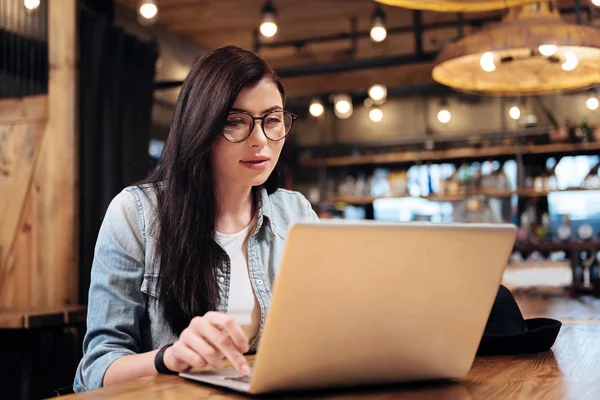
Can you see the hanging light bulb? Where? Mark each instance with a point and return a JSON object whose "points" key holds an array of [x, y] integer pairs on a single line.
{"points": [[487, 62], [596, 3], [592, 102], [378, 93], [444, 116], [268, 24], [548, 50], [31, 5], [316, 109], [376, 115], [343, 106], [571, 61], [378, 31], [514, 112], [147, 12]]}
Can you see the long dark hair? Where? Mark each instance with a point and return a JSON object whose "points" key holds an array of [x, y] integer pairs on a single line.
{"points": [[184, 182]]}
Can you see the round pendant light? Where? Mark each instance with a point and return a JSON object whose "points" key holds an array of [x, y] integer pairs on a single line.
{"points": [[455, 5], [532, 51]]}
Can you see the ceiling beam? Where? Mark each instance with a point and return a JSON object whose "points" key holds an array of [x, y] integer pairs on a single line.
{"points": [[353, 65], [349, 81], [459, 23]]}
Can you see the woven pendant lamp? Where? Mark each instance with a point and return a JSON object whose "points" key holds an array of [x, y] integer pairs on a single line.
{"points": [[532, 51], [455, 5]]}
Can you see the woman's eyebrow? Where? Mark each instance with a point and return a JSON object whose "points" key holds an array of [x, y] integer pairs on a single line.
{"points": [[268, 110]]}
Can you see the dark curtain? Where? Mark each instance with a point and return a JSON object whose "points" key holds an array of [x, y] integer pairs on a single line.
{"points": [[116, 84]]}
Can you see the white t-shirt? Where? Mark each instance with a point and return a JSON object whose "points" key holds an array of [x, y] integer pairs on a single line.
{"points": [[242, 304]]}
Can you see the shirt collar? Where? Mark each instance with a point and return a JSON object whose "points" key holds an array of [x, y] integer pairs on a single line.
{"points": [[264, 210]]}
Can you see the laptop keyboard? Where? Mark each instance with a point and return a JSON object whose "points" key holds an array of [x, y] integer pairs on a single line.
{"points": [[245, 379]]}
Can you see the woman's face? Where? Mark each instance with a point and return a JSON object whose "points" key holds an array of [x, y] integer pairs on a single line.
{"points": [[250, 162]]}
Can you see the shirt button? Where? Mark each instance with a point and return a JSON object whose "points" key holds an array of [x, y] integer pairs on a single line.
{"points": [[221, 279], [259, 281]]}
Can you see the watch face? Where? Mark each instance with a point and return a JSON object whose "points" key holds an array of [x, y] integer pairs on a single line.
{"points": [[585, 232], [563, 232]]}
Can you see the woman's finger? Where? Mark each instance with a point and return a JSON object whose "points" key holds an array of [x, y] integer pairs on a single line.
{"points": [[223, 342], [185, 358], [235, 331], [196, 343]]}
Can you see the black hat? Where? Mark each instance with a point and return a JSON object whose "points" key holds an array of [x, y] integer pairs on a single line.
{"points": [[507, 333]]}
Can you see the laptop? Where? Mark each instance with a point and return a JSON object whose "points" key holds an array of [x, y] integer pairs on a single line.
{"points": [[366, 303]]}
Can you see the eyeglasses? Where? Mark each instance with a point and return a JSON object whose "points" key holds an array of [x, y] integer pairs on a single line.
{"points": [[275, 125]]}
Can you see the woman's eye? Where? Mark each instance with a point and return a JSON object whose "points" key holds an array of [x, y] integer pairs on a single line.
{"points": [[234, 122], [273, 121]]}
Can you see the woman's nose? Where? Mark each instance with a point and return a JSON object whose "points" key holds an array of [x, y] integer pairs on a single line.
{"points": [[257, 136]]}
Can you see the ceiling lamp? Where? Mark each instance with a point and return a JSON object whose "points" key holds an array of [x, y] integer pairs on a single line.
{"points": [[592, 103], [455, 5], [378, 32], [532, 51], [444, 116], [343, 106], [376, 115], [316, 108], [268, 24], [147, 12], [514, 112], [31, 5], [378, 93]]}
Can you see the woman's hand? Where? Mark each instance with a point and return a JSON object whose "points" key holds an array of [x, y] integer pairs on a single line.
{"points": [[207, 341]]}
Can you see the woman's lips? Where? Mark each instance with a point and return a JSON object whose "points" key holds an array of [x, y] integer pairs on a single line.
{"points": [[256, 163]]}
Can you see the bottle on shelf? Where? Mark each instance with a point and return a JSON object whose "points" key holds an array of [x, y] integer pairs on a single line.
{"points": [[398, 183], [592, 180], [348, 186], [543, 230], [552, 179], [585, 132], [429, 182], [464, 176], [579, 274], [572, 131], [528, 181], [585, 232], [360, 187], [595, 274], [540, 183], [380, 185], [564, 233], [560, 133], [523, 230]]}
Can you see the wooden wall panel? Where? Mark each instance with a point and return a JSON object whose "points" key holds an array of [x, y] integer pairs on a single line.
{"points": [[38, 180], [57, 170], [22, 128]]}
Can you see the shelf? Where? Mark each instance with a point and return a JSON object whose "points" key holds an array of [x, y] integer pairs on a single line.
{"points": [[592, 245], [362, 200], [533, 193], [538, 264], [440, 155], [358, 200]]}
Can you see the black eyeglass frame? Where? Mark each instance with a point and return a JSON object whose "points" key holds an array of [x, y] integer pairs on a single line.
{"points": [[262, 124]]}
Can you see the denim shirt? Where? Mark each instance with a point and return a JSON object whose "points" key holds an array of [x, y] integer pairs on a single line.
{"points": [[124, 310]]}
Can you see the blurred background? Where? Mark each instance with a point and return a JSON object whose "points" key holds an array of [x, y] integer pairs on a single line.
{"points": [[433, 110]]}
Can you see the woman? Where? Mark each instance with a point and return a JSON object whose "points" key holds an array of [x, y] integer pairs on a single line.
{"points": [[185, 261]]}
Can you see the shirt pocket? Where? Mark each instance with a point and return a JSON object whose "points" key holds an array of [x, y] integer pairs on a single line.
{"points": [[150, 285]]}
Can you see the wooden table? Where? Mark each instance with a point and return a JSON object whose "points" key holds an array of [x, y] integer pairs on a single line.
{"points": [[570, 371]]}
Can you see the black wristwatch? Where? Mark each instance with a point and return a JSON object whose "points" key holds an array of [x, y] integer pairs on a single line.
{"points": [[159, 364]]}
